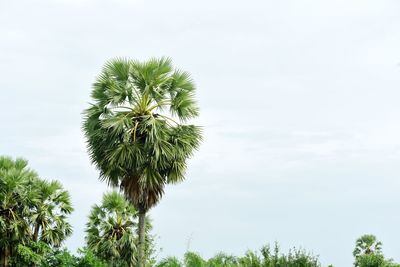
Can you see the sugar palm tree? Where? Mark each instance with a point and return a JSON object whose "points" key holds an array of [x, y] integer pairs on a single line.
{"points": [[136, 131], [367, 247], [367, 244], [111, 230], [15, 183], [52, 205]]}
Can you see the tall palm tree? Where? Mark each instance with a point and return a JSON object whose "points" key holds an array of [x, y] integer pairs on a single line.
{"points": [[136, 131], [15, 183], [51, 207], [111, 230]]}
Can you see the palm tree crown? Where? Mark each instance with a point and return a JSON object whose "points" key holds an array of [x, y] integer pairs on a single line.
{"points": [[112, 230], [367, 244], [51, 207], [135, 128]]}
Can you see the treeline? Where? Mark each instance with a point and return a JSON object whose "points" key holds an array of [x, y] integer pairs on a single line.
{"points": [[34, 224], [367, 253], [266, 257]]}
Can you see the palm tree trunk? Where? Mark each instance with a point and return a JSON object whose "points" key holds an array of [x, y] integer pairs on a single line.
{"points": [[36, 232], [2, 257], [35, 237], [141, 259], [5, 254]]}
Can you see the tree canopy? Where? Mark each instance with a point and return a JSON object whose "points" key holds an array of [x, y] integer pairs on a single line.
{"points": [[33, 212], [112, 231]]}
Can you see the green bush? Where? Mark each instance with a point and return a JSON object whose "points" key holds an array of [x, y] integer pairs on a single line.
{"points": [[264, 258]]}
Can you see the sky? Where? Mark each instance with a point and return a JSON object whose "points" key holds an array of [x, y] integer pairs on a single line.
{"points": [[299, 103]]}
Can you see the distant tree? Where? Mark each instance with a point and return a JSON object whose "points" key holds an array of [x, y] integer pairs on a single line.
{"points": [[367, 244], [274, 258], [136, 131], [368, 253], [112, 231]]}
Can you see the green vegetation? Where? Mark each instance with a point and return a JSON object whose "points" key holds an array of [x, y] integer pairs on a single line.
{"points": [[112, 232], [368, 253], [33, 226], [32, 213], [136, 131], [138, 139], [265, 258]]}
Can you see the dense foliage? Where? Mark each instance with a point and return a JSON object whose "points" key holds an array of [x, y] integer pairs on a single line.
{"points": [[264, 258], [112, 232], [368, 253], [33, 213]]}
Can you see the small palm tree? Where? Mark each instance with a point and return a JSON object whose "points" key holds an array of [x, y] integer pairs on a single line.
{"points": [[15, 183], [366, 245], [112, 231], [135, 130], [52, 205]]}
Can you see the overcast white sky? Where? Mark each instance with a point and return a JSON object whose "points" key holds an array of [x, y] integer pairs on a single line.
{"points": [[299, 102]]}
